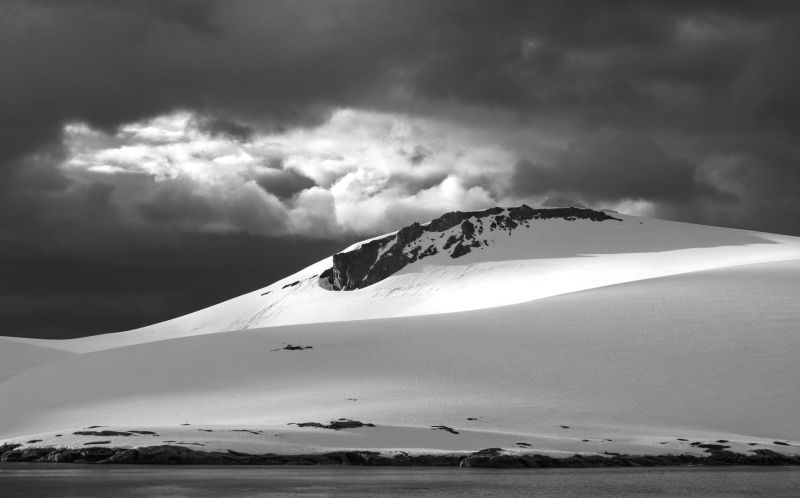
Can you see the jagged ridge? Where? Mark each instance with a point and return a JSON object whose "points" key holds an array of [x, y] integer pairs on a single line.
{"points": [[380, 258]]}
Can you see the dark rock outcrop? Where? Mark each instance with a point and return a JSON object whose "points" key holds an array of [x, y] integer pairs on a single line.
{"points": [[335, 425], [7, 447], [444, 428], [114, 433], [382, 257], [58, 455], [713, 447], [490, 457], [290, 347], [103, 433], [495, 457]]}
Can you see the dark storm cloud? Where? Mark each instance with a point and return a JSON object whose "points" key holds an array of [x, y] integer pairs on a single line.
{"points": [[113, 62], [704, 66], [610, 167], [176, 201], [716, 79], [618, 62], [57, 287], [233, 130], [179, 203], [284, 183], [287, 62]]}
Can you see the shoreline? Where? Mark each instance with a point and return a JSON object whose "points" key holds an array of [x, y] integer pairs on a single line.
{"points": [[487, 458]]}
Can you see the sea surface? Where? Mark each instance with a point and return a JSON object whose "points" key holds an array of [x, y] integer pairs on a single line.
{"points": [[68, 480]]}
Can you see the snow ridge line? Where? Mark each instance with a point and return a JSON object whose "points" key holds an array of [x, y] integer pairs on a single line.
{"points": [[382, 257]]}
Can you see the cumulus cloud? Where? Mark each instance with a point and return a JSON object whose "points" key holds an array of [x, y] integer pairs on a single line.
{"points": [[354, 174]]}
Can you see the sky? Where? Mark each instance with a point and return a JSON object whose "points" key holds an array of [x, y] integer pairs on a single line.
{"points": [[157, 157]]}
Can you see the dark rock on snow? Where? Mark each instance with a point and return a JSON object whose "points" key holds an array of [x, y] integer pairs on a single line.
{"points": [[380, 258], [444, 428], [712, 447], [113, 433], [102, 433], [290, 347], [334, 424]]}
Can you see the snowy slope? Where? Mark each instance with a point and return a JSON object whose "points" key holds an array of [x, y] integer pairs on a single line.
{"points": [[546, 258], [17, 355], [700, 356], [636, 334]]}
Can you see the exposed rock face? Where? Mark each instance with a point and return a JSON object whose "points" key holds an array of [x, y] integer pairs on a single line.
{"points": [[444, 428], [113, 433], [290, 347], [379, 258], [490, 457], [335, 425]]}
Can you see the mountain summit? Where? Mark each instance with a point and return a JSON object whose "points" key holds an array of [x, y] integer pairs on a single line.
{"points": [[455, 234]]}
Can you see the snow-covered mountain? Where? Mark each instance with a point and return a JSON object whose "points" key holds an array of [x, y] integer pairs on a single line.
{"points": [[563, 330], [455, 234]]}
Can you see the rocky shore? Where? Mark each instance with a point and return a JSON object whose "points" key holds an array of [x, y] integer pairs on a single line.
{"points": [[490, 457]]}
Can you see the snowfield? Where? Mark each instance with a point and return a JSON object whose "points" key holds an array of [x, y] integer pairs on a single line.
{"points": [[638, 336], [17, 355]]}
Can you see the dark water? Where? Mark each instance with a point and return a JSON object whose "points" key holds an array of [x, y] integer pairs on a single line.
{"points": [[124, 481]]}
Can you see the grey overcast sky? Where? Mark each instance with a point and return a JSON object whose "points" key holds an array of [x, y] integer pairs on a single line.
{"points": [[160, 156]]}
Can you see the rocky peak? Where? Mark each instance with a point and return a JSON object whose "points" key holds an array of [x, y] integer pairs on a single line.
{"points": [[456, 234]]}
